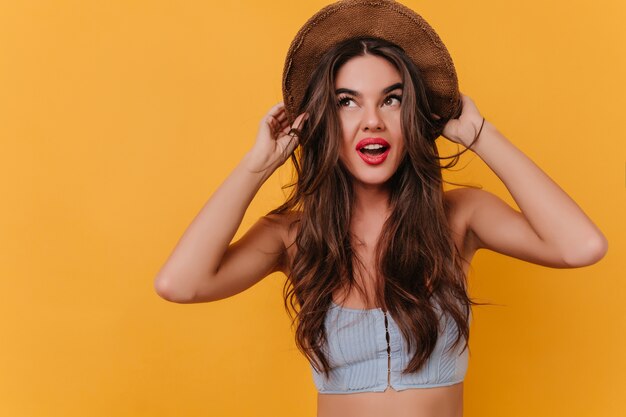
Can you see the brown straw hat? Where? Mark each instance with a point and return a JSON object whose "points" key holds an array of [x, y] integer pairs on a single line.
{"points": [[386, 19]]}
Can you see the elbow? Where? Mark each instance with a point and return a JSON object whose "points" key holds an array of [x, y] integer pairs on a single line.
{"points": [[590, 253], [167, 289]]}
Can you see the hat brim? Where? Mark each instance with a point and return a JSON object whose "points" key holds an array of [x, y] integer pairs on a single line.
{"points": [[386, 19]]}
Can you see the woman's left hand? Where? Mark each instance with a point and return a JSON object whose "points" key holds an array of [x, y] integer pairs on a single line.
{"points": [[464, 129]]}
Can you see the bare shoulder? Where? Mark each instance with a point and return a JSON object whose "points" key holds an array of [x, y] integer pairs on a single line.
{"points": [[459, 199]]}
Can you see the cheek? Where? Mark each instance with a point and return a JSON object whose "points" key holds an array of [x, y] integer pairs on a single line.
{"points": [[347, 136], [401, 145], [348, 124], [344, 150]]}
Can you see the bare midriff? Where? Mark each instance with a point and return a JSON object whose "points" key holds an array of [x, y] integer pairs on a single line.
{"points": [[414, 402]]}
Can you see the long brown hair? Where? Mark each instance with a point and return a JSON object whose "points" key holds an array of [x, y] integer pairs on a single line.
{"points": [[415, 253]]}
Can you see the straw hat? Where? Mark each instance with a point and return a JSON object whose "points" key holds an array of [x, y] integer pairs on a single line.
{"points": [[386, 19]]}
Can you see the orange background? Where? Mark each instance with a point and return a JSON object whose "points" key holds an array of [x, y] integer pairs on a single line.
{"points": [[118, 119]]}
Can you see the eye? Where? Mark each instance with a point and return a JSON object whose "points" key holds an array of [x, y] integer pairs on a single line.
{"points": [[341, 101], [393, 96]]}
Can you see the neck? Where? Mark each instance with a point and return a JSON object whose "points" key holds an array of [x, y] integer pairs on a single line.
{"points": [[370, 200]]}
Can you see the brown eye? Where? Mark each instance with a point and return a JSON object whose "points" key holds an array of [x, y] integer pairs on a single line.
{"points": [[343, 100], [388, 99]]}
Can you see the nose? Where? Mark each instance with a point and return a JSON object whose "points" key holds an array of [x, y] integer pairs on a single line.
{"points": [[372, 120]]}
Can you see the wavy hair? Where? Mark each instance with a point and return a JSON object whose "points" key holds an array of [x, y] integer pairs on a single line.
{"points": [[415, 256]]}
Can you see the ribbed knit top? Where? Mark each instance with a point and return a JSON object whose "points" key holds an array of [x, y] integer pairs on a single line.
{"points": [[368, 353]]}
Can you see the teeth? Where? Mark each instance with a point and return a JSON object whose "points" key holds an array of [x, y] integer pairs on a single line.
{"points": [[373, 146]]}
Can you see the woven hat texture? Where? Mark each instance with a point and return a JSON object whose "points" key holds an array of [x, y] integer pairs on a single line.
{"points": [[386, 19]]}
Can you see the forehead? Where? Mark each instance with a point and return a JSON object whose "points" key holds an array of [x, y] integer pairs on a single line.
{"points": [[367, 73]]}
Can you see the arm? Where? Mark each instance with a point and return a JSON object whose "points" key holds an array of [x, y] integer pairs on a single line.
{"points": [[190, 271], [551, 229], [204, 265]]}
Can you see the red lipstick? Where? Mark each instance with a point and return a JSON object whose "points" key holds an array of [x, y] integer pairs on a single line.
{"points": [[373, 159]]}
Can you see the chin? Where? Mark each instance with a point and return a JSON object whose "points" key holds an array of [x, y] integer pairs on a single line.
{"points": [[372, 179], [371, 176]]}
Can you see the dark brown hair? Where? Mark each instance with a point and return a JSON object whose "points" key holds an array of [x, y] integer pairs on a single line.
{"points": [[415, 256]]}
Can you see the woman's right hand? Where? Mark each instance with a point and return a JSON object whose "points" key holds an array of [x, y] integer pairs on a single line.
{"points": [[274, 144]]}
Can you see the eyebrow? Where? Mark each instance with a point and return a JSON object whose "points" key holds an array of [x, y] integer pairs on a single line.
{"points": [[357, 94]]}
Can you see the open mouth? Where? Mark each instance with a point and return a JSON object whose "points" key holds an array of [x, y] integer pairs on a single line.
{"points": [[373, 149]]}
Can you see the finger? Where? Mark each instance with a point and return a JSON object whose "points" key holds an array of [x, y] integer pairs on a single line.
{"points": [[284, 125], [300, 120], [291, 145], [296, 125], [281, 122], [288, 130], [282, 119], [282, 116], [274, 112], [273, 122], [277, 108]]}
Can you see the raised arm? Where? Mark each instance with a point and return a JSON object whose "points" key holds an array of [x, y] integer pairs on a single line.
{"points": [[205, 265], [551, 229]]}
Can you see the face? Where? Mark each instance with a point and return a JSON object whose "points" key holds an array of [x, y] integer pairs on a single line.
{"points": [[369, 92]]}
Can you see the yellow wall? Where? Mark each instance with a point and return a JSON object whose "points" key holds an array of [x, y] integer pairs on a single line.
{"points": [[118, 119]]}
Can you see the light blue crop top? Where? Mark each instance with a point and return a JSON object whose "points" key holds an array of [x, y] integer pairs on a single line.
{"points": [[358, 351]]}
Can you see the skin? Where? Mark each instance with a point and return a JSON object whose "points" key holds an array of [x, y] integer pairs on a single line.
{"points": [[373, 113], [370, 113], [550, 230]]}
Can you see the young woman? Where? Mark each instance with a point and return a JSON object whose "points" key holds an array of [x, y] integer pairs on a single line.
{"points": [[376, 253]]}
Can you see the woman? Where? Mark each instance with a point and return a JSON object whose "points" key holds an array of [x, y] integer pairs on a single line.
{"points": [[375, 252]]}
